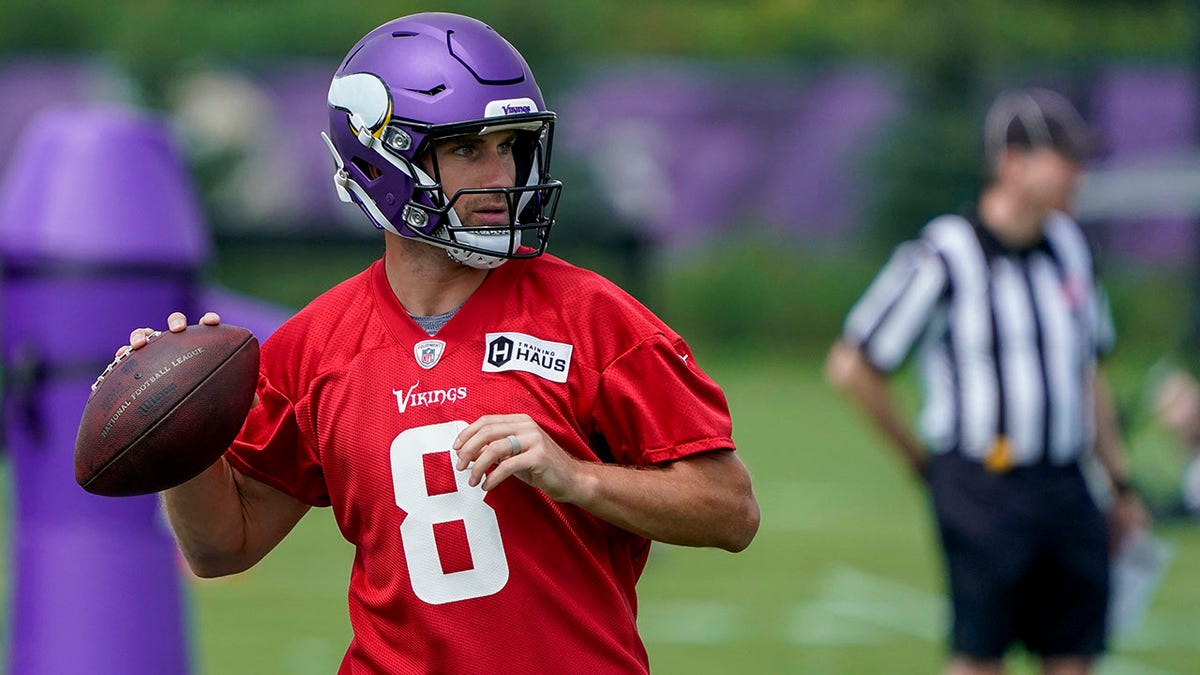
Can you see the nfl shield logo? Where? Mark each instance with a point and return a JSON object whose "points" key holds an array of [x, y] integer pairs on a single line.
{"points": [[429, 352]]}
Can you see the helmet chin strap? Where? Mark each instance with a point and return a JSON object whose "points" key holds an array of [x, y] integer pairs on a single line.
{"points": [[492, 242], [349, 191]]}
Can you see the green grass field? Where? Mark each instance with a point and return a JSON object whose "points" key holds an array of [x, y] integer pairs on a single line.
{"points": [[843, 577]]}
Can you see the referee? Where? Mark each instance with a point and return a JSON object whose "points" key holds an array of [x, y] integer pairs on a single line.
{"points": [[1008, 323]]}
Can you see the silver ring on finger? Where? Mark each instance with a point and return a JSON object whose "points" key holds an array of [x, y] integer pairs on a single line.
{"points": [[514, 444]]}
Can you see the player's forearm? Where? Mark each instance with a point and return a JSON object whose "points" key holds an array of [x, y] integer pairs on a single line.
{"points": [[226, 522], [208, 520], [704, 500]]}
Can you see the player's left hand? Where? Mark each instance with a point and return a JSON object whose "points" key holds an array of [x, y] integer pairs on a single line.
{"points": [[489, 442]]}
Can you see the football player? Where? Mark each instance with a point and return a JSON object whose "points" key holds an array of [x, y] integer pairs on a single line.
{"points": [[500, 434]]}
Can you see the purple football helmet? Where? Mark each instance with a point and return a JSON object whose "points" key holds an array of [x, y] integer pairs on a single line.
{"points": [[422, 78]]}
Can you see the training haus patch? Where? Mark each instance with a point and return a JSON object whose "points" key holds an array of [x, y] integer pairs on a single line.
{"points": [[518, 351]]}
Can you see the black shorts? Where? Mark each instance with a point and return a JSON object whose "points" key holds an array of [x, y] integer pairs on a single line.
{"points": [[1027, 559]]}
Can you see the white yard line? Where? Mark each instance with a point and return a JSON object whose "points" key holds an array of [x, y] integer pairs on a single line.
{"points": [[854, 607]]}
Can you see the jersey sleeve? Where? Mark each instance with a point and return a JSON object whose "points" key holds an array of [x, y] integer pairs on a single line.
{"points": [[272, 448], [656, 405], [898, 305]]}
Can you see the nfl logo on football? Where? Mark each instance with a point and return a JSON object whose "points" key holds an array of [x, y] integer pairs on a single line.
{"points": [[429, 352]]}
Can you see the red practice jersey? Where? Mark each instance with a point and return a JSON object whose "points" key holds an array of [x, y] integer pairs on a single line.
{"points": [[358, 410]]}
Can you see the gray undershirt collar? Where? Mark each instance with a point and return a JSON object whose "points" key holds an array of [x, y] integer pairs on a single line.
{"points": [[432, 324]]}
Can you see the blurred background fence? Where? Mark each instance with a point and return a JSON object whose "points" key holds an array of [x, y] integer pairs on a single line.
{"points": [[812, 128]]}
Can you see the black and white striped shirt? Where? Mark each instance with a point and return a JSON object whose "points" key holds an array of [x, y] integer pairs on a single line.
{"points": [[1008, 340]]}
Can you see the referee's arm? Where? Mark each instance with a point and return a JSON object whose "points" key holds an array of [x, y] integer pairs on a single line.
{"points": [[1127, 514], [848, 370]]}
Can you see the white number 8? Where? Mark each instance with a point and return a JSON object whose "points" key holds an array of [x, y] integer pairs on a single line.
{"points": [[489, 573]]}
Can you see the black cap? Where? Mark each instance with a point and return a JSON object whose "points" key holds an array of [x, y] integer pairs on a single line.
{"points": [[1031, 118]]}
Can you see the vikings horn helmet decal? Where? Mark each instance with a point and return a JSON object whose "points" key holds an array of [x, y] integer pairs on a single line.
{"points": [[425, 77]]}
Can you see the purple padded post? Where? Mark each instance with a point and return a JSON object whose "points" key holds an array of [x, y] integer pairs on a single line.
{"points": [[100, 233]]}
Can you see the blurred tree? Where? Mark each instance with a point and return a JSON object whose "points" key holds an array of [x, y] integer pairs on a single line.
{"points": [[931, 161], [155, 36], [944, 48]]}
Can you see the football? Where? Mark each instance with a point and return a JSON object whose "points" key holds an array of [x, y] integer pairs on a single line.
{"points": [[160, 415]]}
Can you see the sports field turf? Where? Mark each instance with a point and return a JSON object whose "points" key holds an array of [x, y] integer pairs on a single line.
{"points": [[842, 578]]}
